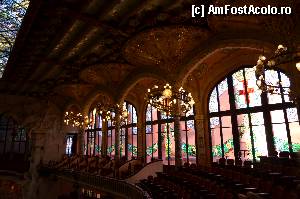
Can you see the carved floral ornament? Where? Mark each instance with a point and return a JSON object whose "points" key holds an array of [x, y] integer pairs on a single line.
{"points": [[166, 47]]}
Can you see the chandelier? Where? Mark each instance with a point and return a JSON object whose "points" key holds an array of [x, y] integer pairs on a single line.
{"points": [[75, 119], [108, 113], [282, 55], [165, 99]]}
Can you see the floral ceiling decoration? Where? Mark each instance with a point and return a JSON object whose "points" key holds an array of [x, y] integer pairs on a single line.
{"points": [[11, 16]]}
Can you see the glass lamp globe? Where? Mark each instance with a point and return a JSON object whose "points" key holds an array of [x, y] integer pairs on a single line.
{"points": [[167, 93], [298, 66]]}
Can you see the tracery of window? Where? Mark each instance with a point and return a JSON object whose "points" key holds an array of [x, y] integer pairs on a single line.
{"points": [[11, 16], [128, 135], [160, 144], [111, 137], [13, 138], [93, 134], [187, 129], [243, 117]]}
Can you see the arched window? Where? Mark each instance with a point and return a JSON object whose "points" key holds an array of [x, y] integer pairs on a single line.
{"points": [[247, 123], [93, 135], [13, 138], [160, 142], [128, 135], [14, 146]]}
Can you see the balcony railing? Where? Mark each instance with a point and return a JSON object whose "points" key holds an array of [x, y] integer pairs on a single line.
{"points": [[110, 185]]}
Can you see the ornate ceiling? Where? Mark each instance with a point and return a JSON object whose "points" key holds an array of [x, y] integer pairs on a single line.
{"points": [[68, 49]]}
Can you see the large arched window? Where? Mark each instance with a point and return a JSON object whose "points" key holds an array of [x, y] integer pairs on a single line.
{"points": [[128, 135], [14, 145], [245, 123], [93, 135], [160, 143], [13, 138]]}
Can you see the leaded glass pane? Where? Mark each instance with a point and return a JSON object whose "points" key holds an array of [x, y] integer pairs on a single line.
{"points": [[245, 137], [148, 113], [285, 82], [190, 112], [214, 121], [134, 115], [148, 129], [134, 131], [277, 116], [223, 95], [252, 89], [227, 137], [292, 114], [272, 78], [239, 89], [213, 102]]}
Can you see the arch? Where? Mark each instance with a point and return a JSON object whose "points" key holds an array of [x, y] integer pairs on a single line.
{"points": [[139, 75], [245, 123], [92, 98], [213, 47]]}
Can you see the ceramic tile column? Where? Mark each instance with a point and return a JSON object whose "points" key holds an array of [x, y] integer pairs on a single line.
{"points": [[202, 158], [104, 138]]}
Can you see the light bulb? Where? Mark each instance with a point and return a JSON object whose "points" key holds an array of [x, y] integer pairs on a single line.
{"points": [[261, 57], [280, 46], [298, 66]]}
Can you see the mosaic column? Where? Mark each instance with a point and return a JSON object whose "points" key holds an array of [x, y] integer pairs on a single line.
{"points": [[117, 136], [141, 133], [200, 139], [104, 139], [177, 136], [80, 141], [37, 137]]}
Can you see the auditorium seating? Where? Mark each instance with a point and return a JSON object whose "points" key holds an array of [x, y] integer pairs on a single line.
{"points": [[226, 180]]}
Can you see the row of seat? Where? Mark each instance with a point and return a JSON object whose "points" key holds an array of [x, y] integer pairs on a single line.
{"points": [[223, 181]]}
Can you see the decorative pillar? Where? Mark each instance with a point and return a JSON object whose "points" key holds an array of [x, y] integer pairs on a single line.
{"points": [[117, 135], [177, 136], [35, 161], [202, 158], [141, 128], [80, 137], [104, 138]]}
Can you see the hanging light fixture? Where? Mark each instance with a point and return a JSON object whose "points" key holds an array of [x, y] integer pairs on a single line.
{"points": [[166, 98], [108, 112], [75, 119], [282, 55]]}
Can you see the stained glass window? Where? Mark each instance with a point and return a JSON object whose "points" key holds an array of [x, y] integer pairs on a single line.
{"points": [[248, 108], [13, 138], [213, 101], [93, 134], [69, 145], [160, 129], [130, 133], [11, 16]]}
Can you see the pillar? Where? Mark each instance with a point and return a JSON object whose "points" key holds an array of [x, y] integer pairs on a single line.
{"points": [[141, 127], [80, 141], [202, 147], [177, 136], [35, 161], [117, 135], [104, 138]]}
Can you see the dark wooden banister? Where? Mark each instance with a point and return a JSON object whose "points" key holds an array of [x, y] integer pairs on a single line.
{"points": [[111, 185]]}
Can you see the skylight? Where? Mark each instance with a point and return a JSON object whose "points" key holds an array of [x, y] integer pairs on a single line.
{"points": [[11, 16]]}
